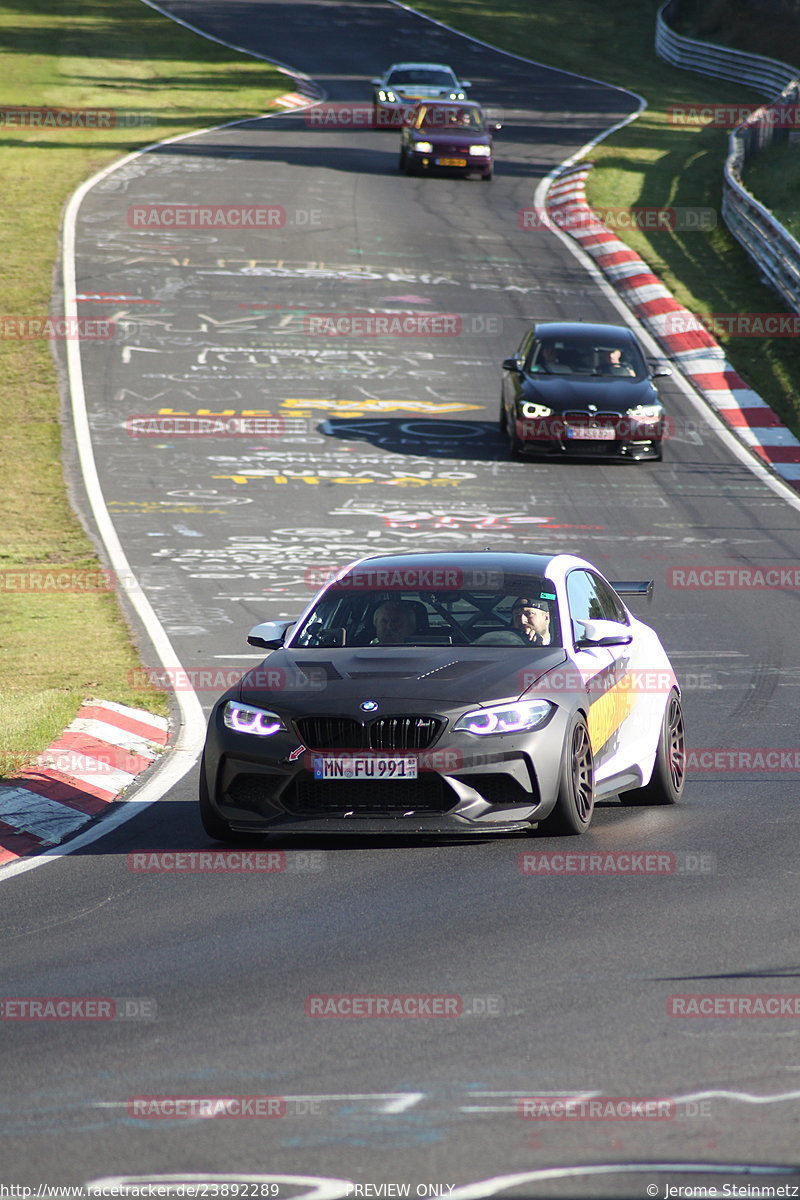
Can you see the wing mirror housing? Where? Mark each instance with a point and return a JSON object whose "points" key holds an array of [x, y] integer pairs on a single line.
{"points": [[269, 635], [512, 364], [603, 633]]}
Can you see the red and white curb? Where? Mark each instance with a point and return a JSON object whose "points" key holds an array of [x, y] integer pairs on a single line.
{"points": [[77, 777], [679, 331], [293, 100]]}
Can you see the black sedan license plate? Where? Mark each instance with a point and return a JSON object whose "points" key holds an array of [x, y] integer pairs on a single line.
{"points": [[598, 433], [358, 767]]}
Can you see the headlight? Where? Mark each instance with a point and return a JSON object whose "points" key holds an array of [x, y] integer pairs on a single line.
{"points": [[244, 718], [386, 97], [506, 718], [480, 151], [533, 411], [423, 147], [645, 412]]}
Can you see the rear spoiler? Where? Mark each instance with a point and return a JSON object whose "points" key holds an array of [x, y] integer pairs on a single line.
{"points": [[643, 589]]}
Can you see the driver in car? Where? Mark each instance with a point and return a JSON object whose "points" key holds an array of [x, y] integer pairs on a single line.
{"points": [[530, 618], [394, 622]]}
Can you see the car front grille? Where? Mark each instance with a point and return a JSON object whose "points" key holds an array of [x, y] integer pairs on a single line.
{"points": [[579, 417], [427, 793], [385, 733]]}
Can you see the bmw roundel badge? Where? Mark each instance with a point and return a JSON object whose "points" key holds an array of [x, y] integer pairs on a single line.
{"points": [[368, 705]]}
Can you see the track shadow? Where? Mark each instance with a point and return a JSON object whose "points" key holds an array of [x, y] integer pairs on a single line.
{"points": [[475, 440]]}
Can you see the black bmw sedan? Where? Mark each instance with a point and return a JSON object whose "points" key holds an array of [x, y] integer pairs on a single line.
{"points": [[575, 388]]}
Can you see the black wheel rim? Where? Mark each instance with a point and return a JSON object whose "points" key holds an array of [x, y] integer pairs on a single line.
{"points": [[582, 772], [676, 744]]}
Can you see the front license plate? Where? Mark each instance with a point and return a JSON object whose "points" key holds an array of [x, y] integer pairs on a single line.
{"points": [[599, 434], [451, 162], [365, 768]]}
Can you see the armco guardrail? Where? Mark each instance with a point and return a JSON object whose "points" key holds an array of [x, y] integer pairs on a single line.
{"points": [[773, 249], [767, 76]]}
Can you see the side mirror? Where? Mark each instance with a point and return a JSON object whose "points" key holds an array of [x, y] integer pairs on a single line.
{"points": [[659, 372], [497, 126], [376, 82], [512, 364], [466, 83], [604, 633], [269, 635]]}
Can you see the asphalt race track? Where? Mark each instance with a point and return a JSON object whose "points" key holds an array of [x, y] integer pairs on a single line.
{"points": [[386, 443]]}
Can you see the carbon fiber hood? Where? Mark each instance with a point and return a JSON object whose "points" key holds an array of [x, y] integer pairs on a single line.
{"points": [[327, 680]]}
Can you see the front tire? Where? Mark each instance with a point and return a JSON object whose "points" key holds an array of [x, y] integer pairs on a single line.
{"points": [[516, 447], [574, 805], [212, 823], [669, 770]]}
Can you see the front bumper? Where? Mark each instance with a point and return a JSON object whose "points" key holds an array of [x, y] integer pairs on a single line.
{"points": [[433, 162], [463, 788], [621, 438]]}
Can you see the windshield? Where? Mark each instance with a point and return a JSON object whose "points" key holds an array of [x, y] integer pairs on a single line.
{"points": [[598, 358], [447, 116], [421, 78], [523, 613]]}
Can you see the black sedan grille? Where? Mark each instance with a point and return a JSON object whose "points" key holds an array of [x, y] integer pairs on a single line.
{"points": [[579, 417], [427, 793], [385, 733]]}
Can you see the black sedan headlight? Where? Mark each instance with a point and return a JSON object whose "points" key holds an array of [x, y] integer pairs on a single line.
{"points": [[246, 718], [645, 414], [524, 716]]}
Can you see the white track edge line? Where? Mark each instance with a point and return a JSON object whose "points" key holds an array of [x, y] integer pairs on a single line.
{"points": [[178, 759]]}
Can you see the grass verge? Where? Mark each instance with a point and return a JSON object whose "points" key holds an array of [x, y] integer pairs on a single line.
{"points": [[653, 161], [157, 79], [774, 178]]}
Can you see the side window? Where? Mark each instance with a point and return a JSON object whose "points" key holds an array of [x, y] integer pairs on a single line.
{"points": [[525, 347], [590, 600], [612, 608]]}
